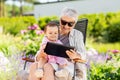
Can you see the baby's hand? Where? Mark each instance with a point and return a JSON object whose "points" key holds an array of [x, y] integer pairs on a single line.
{"points": [[43, 54], [43, 46]]}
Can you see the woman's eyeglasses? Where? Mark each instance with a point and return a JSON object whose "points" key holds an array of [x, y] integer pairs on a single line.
{"points": [[70, 24]]}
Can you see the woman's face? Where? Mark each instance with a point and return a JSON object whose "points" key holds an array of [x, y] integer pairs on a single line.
{"points": [[66, 24]]}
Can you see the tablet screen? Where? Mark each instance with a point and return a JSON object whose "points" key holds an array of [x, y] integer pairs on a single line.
{"points": [[56, 49]]}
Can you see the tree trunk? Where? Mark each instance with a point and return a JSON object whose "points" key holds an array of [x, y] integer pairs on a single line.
{"points": [[3, 9], [0, 8], [13, 9], [21, 8]]}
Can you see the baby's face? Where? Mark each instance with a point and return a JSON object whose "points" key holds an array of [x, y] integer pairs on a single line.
{"points": [[52, 33]]}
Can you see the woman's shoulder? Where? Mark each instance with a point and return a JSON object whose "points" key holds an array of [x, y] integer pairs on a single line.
{"points": [[75, 32]]}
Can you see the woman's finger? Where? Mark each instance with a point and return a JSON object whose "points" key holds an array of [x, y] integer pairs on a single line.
{"points": [[69, 54], [79, 60], [73, 55], [72, 51]]}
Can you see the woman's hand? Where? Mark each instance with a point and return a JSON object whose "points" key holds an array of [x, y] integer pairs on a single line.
{"points": [[74, 56]]}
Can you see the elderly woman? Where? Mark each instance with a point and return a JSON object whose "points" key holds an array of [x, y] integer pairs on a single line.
{"points": [[69, 37]]}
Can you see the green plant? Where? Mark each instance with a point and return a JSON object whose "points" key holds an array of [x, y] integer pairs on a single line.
{"points": [[16, 23], [112, 33], [7, 75], [109, 70], [44, 20], [9, 44], [32, 38], [98, 24]]}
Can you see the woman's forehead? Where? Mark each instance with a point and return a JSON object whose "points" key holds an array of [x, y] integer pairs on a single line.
{"points": [[68, 18]]}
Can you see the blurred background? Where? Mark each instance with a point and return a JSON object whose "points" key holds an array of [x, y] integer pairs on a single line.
{"points": [[21, 32]]}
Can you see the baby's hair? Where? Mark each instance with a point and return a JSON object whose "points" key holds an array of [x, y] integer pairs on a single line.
{"points": [[51, 24]]}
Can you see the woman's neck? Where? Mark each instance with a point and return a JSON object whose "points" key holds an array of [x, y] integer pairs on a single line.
{"points": [[63, 34]]}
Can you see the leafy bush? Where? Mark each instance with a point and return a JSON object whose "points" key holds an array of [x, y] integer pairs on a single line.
{"points": [[44, 20], [98, 24], [109, 70], [15, 24], [112, 33], [32, 38], [9, 44]]}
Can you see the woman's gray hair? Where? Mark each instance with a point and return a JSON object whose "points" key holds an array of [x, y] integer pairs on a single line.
{"points": [[70, 12]]}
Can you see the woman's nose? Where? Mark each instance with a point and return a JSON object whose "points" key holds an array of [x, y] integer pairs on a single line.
{"points": [[66, 26]]}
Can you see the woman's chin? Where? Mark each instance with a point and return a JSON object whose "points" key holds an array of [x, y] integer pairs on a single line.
{"points": [[65, 32]]}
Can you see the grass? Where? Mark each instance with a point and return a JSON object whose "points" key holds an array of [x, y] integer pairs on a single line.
{"points": [[102, 47]]}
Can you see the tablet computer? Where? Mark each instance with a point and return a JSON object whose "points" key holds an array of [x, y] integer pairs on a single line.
{"points": [[56, 49]]}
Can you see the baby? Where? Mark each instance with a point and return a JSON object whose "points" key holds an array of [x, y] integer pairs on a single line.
{"points": [[51, 35]]}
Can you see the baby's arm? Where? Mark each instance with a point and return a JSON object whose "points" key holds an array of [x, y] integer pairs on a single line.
{"points": [[41, 60], [41, 57], [41, 54]]}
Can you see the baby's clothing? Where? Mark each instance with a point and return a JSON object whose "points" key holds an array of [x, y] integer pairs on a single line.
{"points": [[50, 58], [58, 60]]}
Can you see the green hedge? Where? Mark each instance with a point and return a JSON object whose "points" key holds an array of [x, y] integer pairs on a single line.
{"points": [[98, 25], [112, 32], [15, 24], [44, 20]]}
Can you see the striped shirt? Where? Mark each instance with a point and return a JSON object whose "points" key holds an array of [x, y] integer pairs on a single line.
{"points": [[64, 39], [75, 39]]}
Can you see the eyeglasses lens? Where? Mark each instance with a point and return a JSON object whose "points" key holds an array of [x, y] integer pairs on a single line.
{"points": [[70, 24]]}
